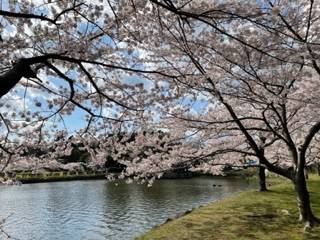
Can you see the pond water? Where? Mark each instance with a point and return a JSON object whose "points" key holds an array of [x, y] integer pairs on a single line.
{"points": [[97, 209]]}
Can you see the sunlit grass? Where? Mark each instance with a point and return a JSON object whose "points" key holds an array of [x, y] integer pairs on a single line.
{"points": [[247, 215], [56, 176]]}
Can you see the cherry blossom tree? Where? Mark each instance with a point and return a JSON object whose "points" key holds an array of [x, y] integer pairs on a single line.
{"points": [[254, 63], [64, 57], [227, 80]]}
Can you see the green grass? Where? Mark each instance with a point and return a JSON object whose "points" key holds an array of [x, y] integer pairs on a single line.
{"points": [[247, 215], [28, 177]]}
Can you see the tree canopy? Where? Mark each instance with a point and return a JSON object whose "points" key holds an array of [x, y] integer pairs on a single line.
{"points": [[229, 80]]}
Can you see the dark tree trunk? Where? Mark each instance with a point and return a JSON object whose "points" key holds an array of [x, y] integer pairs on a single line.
{"points": [[306, 175], [8, 80], [22, 68], [299, 180], [262, 179], [318, 166], [303, 199]]}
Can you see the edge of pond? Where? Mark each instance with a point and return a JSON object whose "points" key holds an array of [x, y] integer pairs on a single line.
{"points": [[278, 187]]}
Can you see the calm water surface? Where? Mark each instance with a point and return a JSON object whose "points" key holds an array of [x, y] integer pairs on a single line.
{"points": [[94, 210]]}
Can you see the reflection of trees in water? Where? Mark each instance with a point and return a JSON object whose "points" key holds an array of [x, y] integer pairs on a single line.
{"points": [[100, 209]]}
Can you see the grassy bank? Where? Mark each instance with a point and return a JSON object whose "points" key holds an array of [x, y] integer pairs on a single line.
{"points": [[247, 215], [52, 176]]}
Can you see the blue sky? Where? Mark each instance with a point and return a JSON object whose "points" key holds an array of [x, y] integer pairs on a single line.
{"points": [[76, 120]]}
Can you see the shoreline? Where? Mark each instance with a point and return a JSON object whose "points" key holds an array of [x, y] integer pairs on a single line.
{"points": [[62, 179], [55, 176], [241, 215], [58, 176]]}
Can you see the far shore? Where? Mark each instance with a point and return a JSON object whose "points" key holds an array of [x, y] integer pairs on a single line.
{"points": [[26, 177], [56, 176]]}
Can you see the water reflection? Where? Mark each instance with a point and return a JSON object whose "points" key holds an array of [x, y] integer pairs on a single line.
{"points": [[101, 210]]}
